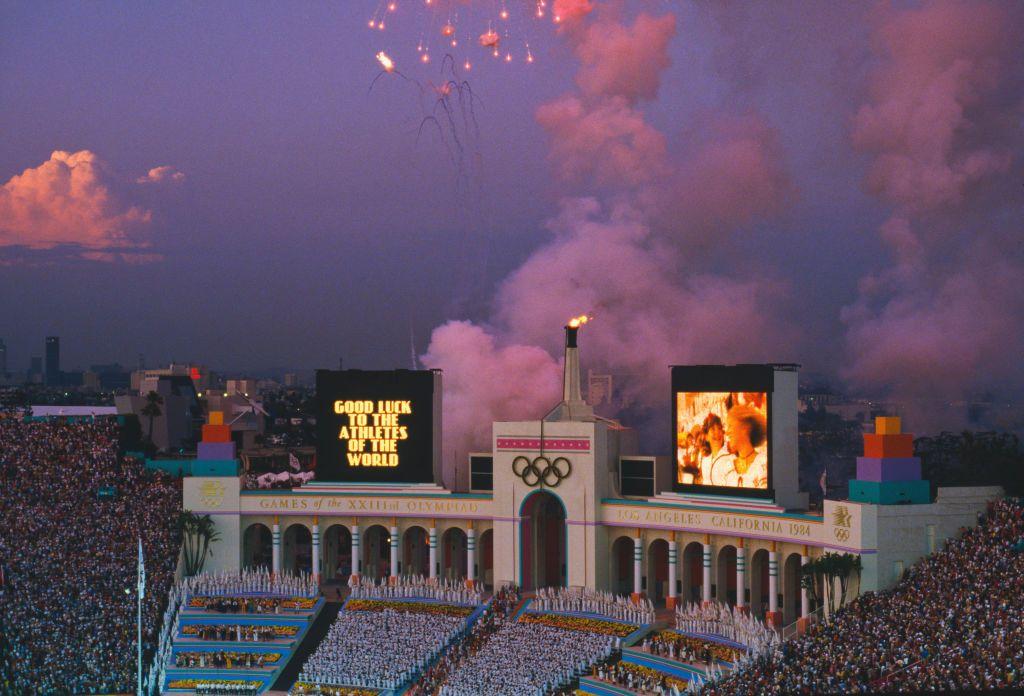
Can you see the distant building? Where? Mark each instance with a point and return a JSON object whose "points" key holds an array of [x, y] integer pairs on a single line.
{"points": [[143, 381], [35, 370], [53, 360], [180, 413], [291, 379], [112, 377]]}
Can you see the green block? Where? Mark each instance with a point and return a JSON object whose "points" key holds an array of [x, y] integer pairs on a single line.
{"points": [[890, 492]]}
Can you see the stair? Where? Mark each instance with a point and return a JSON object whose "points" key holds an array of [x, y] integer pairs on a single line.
{"points": [[290, 674]]}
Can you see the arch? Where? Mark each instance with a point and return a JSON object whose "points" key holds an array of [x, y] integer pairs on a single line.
{"points": [[657, 571], [337, 552], [693, 571], [759, 583], [486, 559], [791, 589], [725, 580], [415, 551], [257, 546], [297, 550], [376, 551], [622, 566], [543, 538], [454, 543]]}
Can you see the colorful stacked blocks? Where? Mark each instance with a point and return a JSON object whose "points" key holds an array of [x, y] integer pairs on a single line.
{"points": [[216, 433], [889, 473], [216, 455]]}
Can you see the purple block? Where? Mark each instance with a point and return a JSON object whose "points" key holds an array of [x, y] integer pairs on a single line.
{"points": [[880, 469], [216, 450]]}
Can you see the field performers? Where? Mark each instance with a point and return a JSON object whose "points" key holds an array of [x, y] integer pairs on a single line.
{"points": [[583, 601], [379, 649], [448, 591], [501, 606], [523, 659], [255, 581], [728, 622], [722, 439], [68, 608], [955, 622]]}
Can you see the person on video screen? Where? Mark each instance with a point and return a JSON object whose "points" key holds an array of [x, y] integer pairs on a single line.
{"points": [[714, 447], [746, 433]]}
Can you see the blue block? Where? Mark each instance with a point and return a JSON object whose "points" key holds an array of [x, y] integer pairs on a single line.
{"points": [[890, 492]]}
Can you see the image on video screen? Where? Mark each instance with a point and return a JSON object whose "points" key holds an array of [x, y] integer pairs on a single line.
{"points": [[722, 439]]}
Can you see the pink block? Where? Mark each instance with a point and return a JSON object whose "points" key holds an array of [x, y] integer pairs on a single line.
{"points": [[216, 450], [880, 469]]}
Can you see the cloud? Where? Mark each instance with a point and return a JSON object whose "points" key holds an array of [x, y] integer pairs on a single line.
{"points": [[485, 382], [67, 202], [936, 121], [942, 123], [605, 145], [569, 11], [165, 173], [625, 61]]}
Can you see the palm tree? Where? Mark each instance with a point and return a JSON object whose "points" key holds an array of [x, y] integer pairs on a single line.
{"points": [[847, 565], [152, 410], [197, 533]]}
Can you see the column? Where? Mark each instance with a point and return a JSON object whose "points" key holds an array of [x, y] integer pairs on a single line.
{"points": [[470, 556], [316, 549], [275, 537], [706, 588], [805, 600], [741, 576], [357, 556], [673, 560], [433, 554], [774, 617], [638, 553], [393, 566]]}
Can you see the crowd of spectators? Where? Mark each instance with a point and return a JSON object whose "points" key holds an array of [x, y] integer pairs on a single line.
{"points": [[955, 621], [522, 659], [68, 606], [379, 649], [583, 601], [500, 608]]}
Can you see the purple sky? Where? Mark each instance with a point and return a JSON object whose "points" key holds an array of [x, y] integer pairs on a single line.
{"points": [[312, 223]]}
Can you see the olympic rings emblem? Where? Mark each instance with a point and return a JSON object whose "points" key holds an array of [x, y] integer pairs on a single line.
{"points": [[541, 470], [842, 534]]}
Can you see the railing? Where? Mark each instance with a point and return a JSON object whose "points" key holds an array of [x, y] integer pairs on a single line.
{"points": [[792, 630]]}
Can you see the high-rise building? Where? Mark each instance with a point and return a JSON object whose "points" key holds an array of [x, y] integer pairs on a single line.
{"points": [[3, 359], [53, 360]]}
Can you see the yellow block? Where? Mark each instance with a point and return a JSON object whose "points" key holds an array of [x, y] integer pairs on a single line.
{"points": [[217, 418], [887, 425]]}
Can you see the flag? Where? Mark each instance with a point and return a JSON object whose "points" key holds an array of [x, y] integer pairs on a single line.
{"points": [[142, 572], [293, 462], [823, 482]]}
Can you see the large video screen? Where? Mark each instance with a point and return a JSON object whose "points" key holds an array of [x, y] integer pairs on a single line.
{"points": [[375, 426], [721, 433]]}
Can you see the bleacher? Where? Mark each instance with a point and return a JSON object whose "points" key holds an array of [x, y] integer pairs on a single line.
{"points": [[214, 647]]}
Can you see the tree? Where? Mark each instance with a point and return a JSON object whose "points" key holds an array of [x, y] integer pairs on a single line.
{"points": [[820, 576], [197, 533], [152, 410]]}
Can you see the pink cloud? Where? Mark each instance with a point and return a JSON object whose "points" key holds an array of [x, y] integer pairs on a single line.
{"points": [[625, 61], [165, 173], [607, 144], [568, 11], [936, 118], [67, 201]]}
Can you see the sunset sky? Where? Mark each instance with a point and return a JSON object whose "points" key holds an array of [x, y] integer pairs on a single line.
{"points": [[834, 184]]}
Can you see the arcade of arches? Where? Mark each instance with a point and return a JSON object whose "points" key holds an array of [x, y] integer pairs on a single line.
{"points": [[458, 552]]}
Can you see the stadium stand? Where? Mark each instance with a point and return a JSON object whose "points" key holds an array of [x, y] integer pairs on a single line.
{"points": [[954, 622], [68, 607]]}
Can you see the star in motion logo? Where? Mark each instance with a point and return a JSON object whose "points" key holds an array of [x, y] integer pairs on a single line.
{"points": [[842, 517]]}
